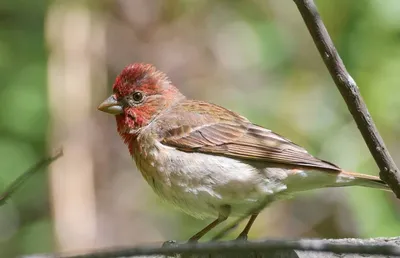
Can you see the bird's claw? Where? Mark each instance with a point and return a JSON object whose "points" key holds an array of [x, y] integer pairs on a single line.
{"points": [[169, 243]]}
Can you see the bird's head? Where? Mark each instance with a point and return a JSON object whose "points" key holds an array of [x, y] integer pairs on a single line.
{"points": [[140, 93]]}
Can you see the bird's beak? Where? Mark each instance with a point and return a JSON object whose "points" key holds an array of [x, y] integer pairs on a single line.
{"points": [[111, 106]]}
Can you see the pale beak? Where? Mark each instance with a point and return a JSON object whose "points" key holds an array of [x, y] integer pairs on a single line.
{"points": [[111, 106]]}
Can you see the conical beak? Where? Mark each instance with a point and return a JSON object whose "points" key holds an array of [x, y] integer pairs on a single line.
{"points": [[111, 106]]}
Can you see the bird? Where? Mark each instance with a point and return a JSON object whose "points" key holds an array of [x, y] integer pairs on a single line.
{"points": [[208, 161]]}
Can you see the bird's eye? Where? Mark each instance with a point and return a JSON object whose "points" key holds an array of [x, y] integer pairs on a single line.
{"points": [[137, 97]]}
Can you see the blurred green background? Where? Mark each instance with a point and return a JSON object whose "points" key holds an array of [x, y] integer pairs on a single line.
{"points": [[58, 60]]}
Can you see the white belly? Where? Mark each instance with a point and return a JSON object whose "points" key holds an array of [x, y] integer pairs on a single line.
{"points": [[199, 183]]}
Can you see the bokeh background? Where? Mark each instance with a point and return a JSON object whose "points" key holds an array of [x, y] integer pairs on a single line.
{"points": [[58, 60]]}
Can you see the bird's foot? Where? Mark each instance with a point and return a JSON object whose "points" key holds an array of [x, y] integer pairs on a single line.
{"points": [[169, 243]]}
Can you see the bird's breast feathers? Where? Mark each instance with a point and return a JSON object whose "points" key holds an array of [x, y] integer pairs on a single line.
{"points": [[199, 183]]}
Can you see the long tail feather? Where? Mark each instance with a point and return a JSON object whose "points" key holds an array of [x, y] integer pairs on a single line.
{"points": [[351, 178], [302, 180]]}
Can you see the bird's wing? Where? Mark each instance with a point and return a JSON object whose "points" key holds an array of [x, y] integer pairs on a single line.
{"points": [[195, 126]]}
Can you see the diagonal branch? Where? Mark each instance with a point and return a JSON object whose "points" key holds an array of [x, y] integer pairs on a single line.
{"points": [[351, 94], [17, 183]]}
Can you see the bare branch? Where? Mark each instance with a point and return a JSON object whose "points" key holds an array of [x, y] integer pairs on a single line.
{"points": [[265, 248], [17, 183], [351, 94]]}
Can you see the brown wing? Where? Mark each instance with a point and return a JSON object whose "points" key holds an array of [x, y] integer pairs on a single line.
{"points": [[194, 127]]}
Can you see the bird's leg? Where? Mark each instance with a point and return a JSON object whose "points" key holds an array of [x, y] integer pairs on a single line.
{"points": [[245, 232], [222, 216], [202, 232]]}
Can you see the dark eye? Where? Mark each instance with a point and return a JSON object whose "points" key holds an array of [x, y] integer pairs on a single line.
{"points": [[137, 97]]}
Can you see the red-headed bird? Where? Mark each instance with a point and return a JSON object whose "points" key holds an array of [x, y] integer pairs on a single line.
{"points": [[207, 160]]}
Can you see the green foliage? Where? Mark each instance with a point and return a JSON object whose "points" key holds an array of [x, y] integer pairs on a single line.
{"points": [[23, 125]]}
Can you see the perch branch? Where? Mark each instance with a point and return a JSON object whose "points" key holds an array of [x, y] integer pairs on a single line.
{"points": [[265, 248], [351, 94]]}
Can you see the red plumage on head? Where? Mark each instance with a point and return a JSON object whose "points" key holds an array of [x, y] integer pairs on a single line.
{"points": [[158, 91], [139, 75]]}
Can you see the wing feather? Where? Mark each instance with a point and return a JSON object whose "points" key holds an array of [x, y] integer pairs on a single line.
{"points": [[196, 126]]}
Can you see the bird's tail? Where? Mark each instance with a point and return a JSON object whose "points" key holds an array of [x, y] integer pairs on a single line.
{"points": [[346, 178]]}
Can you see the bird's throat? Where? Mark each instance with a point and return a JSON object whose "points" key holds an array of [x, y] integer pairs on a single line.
{"points": [[131, 141]]}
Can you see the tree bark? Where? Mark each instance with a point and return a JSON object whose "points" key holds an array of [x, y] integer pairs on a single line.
{"points": [[314, 248]]}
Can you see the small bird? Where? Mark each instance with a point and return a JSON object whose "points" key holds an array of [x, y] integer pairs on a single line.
{"points": [[206, 160]]}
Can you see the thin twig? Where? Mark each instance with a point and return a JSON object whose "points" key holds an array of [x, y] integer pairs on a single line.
{"points": [[243, 248], [17, 183], [351, 94]]}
